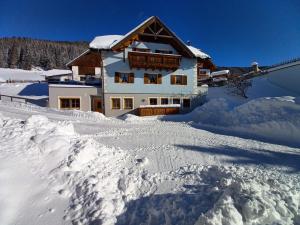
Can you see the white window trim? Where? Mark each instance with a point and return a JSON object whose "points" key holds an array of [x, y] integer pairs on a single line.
{"points": [[111, 105], [180, 100], [59, 97], [124, 103], [167, 98], [153, 97]]}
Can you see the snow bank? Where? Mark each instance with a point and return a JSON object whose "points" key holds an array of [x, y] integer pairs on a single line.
{"points": [[250, 199], [275, 118]]}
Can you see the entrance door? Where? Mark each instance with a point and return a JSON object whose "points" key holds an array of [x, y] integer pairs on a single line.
{"points": [[96, 104]]}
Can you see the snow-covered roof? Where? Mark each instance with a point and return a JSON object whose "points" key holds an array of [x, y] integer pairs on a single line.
{"points": [[220, 72], [105, 41], [71, 86], [56, 72], [197, 52]]}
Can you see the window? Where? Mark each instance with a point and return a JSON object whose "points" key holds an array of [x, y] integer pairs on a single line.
{"points": [[115, 103], [176, 100], [82, 78], [86, 70], [124, 77], [164, 101], [163, 51], [128, 103], [69, 103], [152, 78], [203, 71], [186, 103], [152, 101], [141, 49], [178, 80]]}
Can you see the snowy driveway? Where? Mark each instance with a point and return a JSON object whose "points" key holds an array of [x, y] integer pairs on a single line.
{"points": [[139, 171]]}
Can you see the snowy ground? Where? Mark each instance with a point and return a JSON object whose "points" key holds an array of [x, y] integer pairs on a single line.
{"points": [[20, 75], [71, 167]]}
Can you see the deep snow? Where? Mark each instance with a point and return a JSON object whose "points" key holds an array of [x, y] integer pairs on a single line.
{"points": [[80, 168], [221, 164]]}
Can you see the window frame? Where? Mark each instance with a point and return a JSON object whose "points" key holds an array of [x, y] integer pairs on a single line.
{"points": [[164, 98], [164, 51], [158, 78], [176, 103], [118, 78], [70, 98], [183, 79], [136, 49], [149, 100], [111, 103], [124, 105]]}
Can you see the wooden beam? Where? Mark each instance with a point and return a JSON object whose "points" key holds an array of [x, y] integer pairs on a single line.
{"points": [[158, 36]]}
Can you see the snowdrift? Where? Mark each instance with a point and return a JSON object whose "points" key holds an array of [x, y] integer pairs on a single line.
{"points": [[275, 119]]}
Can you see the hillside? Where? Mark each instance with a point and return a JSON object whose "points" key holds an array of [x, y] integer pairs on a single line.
{"points": [[25, 53]]}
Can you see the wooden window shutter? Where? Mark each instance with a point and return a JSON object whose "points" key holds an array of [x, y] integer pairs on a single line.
{"points": [[117, 77], [184, 80], [159, 79], [131, 78], [173, 79], [146, 78]]}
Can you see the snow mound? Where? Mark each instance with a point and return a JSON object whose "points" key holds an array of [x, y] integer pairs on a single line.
{"points": [[105, 42], [275, 118], [250, 199], [134, 118], [96, 116]]}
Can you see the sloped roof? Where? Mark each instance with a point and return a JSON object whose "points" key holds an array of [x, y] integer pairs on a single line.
{"points": [[105, 41], [198, 53], [140, 30], [56, 72]]}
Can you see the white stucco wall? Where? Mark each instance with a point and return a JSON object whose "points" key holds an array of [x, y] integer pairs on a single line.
{"points": [[113, 62]]}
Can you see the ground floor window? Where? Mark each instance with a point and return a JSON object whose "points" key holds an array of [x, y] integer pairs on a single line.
{"points": [[186, 103], [164, 101], [128, 103], [152, 101], [69, 103], [176, 100], [115, 103]]}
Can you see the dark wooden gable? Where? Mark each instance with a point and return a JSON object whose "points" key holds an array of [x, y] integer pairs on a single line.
{"points": [[90, 59], [153, 30]]}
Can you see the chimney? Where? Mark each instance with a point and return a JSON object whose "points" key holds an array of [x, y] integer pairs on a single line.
{"points": [[188, 43], [255, 67]]}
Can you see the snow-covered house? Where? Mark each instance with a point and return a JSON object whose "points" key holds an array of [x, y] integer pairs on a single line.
{"points": [[56, 75], [286, 75], [147, 71]]}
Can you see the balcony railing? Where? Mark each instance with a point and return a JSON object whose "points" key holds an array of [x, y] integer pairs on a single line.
{"points": [[148, 60]]}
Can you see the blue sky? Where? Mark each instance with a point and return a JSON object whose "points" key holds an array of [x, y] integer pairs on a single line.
{"points": [[233, 32]]}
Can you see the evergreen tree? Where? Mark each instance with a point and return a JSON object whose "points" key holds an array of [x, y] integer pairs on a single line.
{"points": [[13, 57]]}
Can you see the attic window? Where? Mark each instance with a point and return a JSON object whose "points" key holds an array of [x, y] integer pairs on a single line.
{"points": [[163, 51], [141, 49]]}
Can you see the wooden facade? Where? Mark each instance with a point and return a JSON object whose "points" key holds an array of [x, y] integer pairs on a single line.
{"points": [[147, 60], [153, 111]]}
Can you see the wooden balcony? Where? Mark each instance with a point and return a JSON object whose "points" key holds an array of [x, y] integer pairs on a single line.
{"points": [[148, 60]]}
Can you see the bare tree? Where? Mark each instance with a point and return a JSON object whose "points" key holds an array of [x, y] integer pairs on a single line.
{"points": [[239, 86]]}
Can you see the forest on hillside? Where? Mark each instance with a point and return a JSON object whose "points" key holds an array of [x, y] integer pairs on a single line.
{"points": [[25, 53]]}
